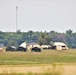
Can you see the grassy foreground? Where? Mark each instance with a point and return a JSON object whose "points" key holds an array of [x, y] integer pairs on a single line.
{"points": [[33, 74], [44, 57]]}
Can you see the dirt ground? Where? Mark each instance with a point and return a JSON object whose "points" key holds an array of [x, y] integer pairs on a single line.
{"points": [[63, 69]]}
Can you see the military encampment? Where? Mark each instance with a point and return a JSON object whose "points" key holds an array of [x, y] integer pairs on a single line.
{"points": [[37, 37]]}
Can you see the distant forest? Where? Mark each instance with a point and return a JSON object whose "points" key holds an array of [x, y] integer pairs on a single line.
{"points": [[16, 38]]}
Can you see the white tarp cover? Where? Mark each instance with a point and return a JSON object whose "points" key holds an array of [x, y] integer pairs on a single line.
{"points": [[60, 46], [59, 43], [23, 45]]}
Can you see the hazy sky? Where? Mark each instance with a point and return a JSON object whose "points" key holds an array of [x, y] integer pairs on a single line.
{"points": [[38, 15]]}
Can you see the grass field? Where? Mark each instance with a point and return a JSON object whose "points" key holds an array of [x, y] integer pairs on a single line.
{"points": [[52, 62], [44, 57]]}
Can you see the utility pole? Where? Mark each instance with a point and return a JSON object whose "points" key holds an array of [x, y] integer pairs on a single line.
{"points": [[16, 18], [16, 21]]}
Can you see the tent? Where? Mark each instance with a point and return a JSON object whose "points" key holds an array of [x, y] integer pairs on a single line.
{"points": [[59, 46], [45, 46], [32, 44], [23, 45]]}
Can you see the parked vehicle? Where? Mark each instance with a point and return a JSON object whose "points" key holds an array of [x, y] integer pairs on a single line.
{"points": [[21, 49], [11, 48], [36, 49]]}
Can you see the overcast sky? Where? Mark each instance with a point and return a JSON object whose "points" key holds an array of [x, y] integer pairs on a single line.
{"points": [[38, 15]]}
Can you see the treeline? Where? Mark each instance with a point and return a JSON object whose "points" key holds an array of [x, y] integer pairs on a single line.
{"points": [[16, 38]]}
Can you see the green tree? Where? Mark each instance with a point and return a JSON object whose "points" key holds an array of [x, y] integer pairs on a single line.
{"points": [[44, 38], [18, 31], [69, 32]]}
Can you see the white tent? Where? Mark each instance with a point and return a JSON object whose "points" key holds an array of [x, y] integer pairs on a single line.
{"points": [[23, 45], [45, 46], [58, 43], [60, 46]]}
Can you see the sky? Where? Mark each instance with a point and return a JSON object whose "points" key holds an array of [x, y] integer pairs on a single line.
{"points": [[37, 15]]}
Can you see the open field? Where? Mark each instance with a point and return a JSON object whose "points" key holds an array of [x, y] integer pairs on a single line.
{"points": [[44, 57], [47, 62], [52, 69]]}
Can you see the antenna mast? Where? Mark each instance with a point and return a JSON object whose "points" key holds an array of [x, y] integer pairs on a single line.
{"points": [[16, 17]]}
